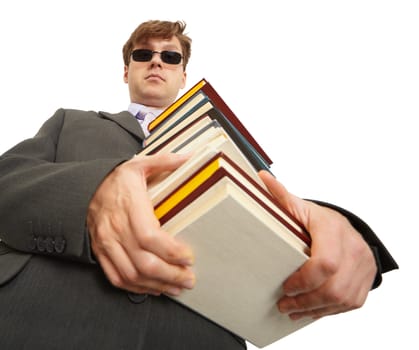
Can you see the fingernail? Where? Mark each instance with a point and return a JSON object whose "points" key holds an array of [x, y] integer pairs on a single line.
{"points": [[190, 283], [282, 308], [188, 261], [291, 293], [185, 156], [295, 317], [174, 291]]}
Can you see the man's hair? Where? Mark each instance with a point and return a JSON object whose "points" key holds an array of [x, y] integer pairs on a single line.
{"points": [[160, 30]]}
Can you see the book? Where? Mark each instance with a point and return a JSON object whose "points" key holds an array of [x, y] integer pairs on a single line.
{"points": [[190, 123], [201, 98], [207, 167], [245, 247], [203, 132], [174, 107], [193, 108]]}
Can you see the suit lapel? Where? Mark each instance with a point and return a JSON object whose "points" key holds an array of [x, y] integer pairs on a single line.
{"points": [[127, 121]]}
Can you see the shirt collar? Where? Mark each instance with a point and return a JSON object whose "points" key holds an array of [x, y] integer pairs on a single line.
{"points": [[134, 108]]}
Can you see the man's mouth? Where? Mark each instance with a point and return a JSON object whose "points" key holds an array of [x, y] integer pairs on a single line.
{"points": [[154, 76]]}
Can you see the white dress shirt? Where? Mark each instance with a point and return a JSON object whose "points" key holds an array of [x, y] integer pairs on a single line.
{"points": [[150, 115]]}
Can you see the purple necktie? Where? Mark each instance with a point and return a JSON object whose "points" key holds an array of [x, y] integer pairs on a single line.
{"points": [[141, 115], [144, 121]]}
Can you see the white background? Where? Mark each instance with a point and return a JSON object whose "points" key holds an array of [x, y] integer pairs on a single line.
{"points": [[329, 88]]}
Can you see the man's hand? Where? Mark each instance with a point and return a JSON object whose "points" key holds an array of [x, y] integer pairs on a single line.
{"points": [[126, 237], [341, 269]]}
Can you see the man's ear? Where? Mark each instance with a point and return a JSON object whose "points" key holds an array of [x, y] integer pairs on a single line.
{"points": [[183, 80], [126, 74]]}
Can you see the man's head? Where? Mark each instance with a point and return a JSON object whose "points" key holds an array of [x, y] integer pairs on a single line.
{"points": [[155, 58]]}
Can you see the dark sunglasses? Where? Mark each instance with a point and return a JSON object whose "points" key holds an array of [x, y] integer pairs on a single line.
{"points": [[145, 55]]}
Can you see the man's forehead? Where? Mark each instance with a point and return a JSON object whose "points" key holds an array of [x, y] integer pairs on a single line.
{"points": [[172, 41]]}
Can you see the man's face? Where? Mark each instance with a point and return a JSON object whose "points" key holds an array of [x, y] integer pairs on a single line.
{"points": [[155, 83]]}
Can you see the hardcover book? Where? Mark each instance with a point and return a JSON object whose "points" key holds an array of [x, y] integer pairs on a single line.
{"points": [[201, 98], [245, 248], [246, 245]]}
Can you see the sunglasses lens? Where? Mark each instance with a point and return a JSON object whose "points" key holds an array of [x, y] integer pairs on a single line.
{"points": [[171, 57], [142, 55]]}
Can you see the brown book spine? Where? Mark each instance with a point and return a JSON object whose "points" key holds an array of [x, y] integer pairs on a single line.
{"points": [[219, 102]]}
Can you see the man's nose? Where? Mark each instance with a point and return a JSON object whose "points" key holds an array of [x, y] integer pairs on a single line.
{"points": [[155, 58]]}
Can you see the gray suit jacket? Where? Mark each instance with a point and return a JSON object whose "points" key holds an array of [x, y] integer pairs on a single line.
{"points": [[52, 294]]}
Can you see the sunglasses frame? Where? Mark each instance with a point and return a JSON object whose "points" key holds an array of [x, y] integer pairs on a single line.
{"points": [[167, 56]]}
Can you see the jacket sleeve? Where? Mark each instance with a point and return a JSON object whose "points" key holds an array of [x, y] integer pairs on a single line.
{"points": [[43, 203], [385, 262]]}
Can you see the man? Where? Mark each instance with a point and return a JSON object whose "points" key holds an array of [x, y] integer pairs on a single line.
{"points": [[84, 261]]}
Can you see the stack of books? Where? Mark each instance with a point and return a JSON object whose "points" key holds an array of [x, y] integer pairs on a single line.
{"points": [[245, 243]]}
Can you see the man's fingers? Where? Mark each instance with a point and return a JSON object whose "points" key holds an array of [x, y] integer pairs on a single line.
{"points": [[346, 289], [317, 299], [314, 273], [292, 204], [326, 232], [322, 265], [160, 243], [143, 231], [152, 267], [156, 257], [321, 303], [318, 313], [141, 271], [156, 164], [276, 188], [111, 271], [135, 253]]}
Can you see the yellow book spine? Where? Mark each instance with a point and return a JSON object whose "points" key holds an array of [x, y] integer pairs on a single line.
{"points": [[175, 105], [175, 198]]}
